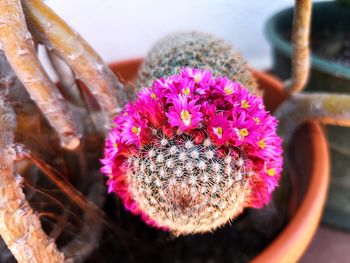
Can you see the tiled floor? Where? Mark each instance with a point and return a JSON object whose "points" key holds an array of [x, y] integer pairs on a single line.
{"points": [[330, 245]]}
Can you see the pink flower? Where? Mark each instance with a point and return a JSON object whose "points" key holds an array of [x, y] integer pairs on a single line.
{"points": [[225, 87], [243, 128], [201, 79], [113, 144], [207, 116], [219, 129], [135, 130], [183, 114], [181, 87], [150, 105], [208, 109]]}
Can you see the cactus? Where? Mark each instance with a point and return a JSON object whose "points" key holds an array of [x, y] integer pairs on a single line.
{"points": [[195, 50], [193, 150], [185, 183]]}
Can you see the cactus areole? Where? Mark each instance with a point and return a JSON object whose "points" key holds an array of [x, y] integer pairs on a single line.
{"points": [[192, 151]]}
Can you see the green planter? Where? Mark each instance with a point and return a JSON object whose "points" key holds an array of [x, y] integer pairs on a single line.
{"points": [[330, 72]]}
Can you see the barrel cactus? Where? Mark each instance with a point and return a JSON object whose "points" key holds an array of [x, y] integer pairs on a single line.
{"points": [[196, 50], [196, 146]]}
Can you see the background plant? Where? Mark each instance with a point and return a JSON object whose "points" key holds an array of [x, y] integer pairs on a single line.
{"points": [[300, 106]]}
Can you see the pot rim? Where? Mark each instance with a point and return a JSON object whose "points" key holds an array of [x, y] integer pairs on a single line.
{"points": [[294, 239], [285, 47]]}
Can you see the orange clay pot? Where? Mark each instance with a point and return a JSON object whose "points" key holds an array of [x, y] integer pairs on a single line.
{"points": [[309, 162]]}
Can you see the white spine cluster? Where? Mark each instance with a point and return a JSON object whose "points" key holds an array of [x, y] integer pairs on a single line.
{"points": [[188, 187]]}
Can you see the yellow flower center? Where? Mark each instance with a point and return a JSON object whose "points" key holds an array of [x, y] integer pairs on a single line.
{"points": [[136, 130], [186, 91], [271, 172], [245, 104], [186, 117], [243, 132], [218, 131], [197, 78], [256, 119], [228, 90], [262, 144], [153, 96], [115, 145]]}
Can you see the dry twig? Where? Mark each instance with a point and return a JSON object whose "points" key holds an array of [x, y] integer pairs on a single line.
{"points": [[300, 45], [88, 238], [17, 44], [58, 179], [326, 108], [86, 64], [19, 226], [67, 82], [301, 107]]}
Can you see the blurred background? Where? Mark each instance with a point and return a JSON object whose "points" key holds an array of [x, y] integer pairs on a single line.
{"points": [[125, 29]]}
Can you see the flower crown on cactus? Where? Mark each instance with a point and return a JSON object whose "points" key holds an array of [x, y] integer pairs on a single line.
{"points": [[192, 151]]}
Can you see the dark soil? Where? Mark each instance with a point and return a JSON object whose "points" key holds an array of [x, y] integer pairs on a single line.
{"points": [[239, 241], [333, 45], [330, 44]]}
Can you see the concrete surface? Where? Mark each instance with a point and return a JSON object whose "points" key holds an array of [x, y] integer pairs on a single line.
{"points": [[330, 245]]}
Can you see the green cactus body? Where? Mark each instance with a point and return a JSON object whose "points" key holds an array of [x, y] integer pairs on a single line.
{"points": [[195, 50], [187, 187], [168, 57], [197, 136]]}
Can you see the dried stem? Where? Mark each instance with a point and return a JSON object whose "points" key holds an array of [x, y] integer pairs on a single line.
{"points": [[78, 54], [331, 109], [94, 212], [87, 240], [67, 82], [7, 76], [79, 199], [300, 44], [19, 226], [75, 92], [17, 44]]}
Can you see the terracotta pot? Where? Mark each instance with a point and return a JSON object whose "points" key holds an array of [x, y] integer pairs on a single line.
{"points": [[310, 163]]}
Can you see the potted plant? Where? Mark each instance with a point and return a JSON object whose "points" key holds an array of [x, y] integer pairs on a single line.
{"points": [[311, 183], [330, 72], [55, 143]]}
